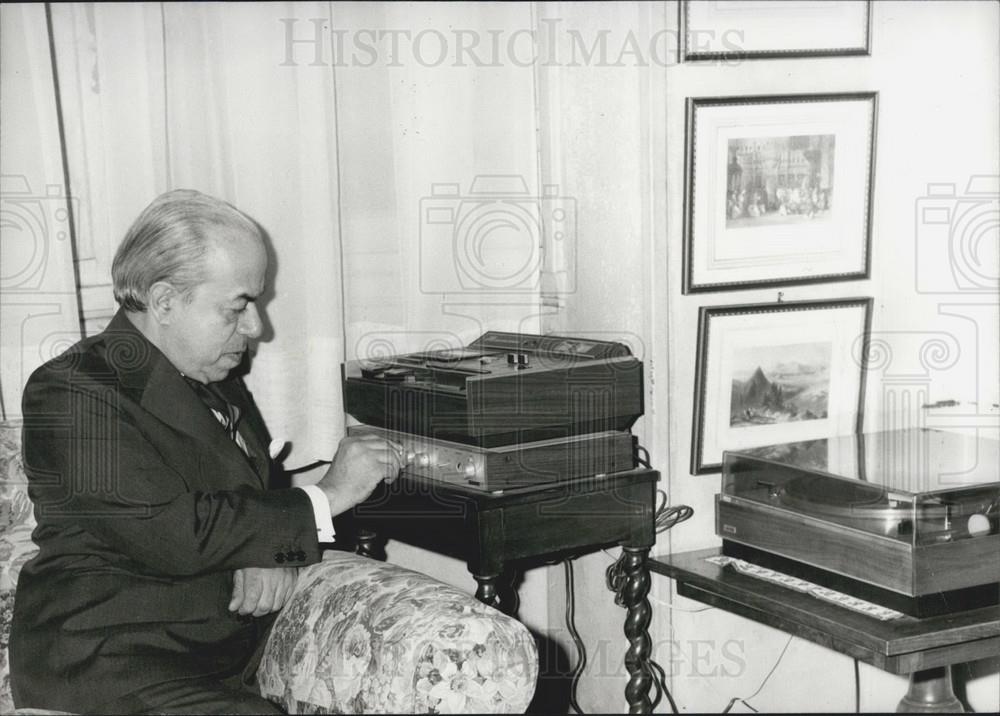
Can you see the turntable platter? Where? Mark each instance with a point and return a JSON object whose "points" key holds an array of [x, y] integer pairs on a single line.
{"points": [[814, 491], [855, 504]]}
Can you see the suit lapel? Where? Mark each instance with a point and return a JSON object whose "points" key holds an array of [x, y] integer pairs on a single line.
{"points": [[165, 395]]}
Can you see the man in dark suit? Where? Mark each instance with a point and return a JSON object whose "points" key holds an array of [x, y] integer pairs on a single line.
{"points": [[160, 545]]}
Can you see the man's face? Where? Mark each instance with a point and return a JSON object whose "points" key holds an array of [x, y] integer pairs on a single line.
{"points": [[209, 329]]}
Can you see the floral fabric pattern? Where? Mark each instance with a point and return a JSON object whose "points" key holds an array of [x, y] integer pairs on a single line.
{"points": [[361, 636], [17, 520]]}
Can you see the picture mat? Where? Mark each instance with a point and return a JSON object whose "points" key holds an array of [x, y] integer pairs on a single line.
{"points": [[837, 245], [726, 334], [776, 26]]}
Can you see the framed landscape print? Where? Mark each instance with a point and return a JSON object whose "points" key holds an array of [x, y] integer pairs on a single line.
{"points": [[766, 29], [777, 373], [778, 190]]}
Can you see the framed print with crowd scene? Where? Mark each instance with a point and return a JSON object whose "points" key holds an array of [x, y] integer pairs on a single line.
{"points": [[778, 190], [768, 29], [777, 373]]}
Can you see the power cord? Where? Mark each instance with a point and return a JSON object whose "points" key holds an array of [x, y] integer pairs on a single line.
{"points": [[644, 461], [857, 687], [665, 518], [732, 701], [309, 466], [581, 648]]}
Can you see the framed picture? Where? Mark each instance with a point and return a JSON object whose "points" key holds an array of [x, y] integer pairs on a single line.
{"points": [[778, 190], [771, 29], [777, 373]]}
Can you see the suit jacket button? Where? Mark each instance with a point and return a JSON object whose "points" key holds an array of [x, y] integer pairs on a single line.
{"points": [[300, 556], [279, 557], [290, 556]]}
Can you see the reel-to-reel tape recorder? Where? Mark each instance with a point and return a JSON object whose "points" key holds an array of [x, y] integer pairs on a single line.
{"points": [[508, 410]]}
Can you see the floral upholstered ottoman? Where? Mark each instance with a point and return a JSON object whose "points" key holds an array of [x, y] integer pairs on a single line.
{"points": [[361, 636]]}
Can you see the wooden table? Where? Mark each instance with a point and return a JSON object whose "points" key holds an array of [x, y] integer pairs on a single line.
{"points": [[923, 648], [492, 530]]}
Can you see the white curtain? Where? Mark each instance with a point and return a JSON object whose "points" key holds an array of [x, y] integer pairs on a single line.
{"points": [[39, 313], [417, 132], [339, 158], [157, 97]]}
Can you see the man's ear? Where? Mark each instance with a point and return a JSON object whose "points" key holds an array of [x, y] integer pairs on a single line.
{"points": [[161, 301]]}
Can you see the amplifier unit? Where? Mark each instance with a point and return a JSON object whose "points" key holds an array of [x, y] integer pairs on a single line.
{"points": [[502, 468]]}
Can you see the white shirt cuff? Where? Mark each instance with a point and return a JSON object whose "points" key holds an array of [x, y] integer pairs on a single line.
{"points": [[321, 513]]}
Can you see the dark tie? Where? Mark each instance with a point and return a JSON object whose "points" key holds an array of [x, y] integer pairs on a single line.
{"points": [[212, 397]]}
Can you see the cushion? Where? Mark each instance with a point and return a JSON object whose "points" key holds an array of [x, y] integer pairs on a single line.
{"points": [[361, 636]]}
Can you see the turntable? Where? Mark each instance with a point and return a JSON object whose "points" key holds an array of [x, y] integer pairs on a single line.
{"points": [[909, 519]]}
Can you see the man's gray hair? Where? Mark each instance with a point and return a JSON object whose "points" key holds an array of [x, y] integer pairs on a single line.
{"points": [[168, 242]]}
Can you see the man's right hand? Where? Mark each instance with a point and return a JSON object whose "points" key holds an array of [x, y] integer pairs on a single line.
{"points": [[361, 462]]}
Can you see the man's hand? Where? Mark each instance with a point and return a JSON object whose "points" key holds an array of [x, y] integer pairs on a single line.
{"points": [[260, 591], [361, 462]]}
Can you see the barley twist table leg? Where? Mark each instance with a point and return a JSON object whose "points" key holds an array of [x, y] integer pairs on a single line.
{"points": [[637, 630]]}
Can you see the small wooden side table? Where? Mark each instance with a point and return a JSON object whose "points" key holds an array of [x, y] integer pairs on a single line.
{"points": [[923, 648], [492, 530]]}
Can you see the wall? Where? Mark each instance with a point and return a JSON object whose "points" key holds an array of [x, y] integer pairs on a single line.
{"points": [[935, 66], [613, 138]]}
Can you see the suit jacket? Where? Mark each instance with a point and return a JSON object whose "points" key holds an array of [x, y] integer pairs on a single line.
{"points": [[145, 507]]}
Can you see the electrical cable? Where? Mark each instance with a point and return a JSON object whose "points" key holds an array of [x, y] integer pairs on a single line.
{"points": [[668, 516], [857, 687], [307, 467], [665, 517], [644, 461], [732, 701], [581, 649]]}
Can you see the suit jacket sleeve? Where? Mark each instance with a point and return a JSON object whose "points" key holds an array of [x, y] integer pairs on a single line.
{"points": [[97, 466]]}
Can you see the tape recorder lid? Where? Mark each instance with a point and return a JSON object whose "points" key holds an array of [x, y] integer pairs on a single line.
{"points": [[566, 346]]}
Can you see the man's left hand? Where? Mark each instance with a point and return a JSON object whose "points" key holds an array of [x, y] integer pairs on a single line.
{"points": [[259, 591]]}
